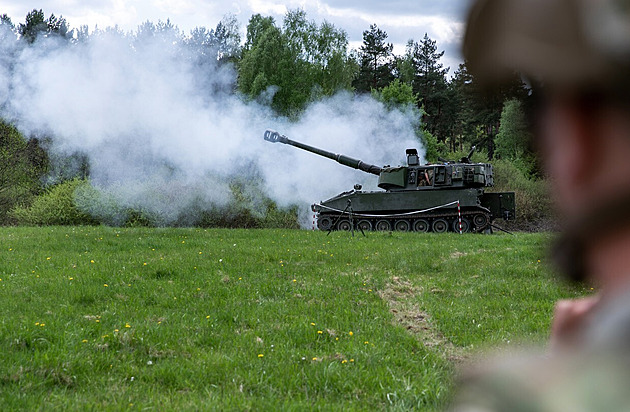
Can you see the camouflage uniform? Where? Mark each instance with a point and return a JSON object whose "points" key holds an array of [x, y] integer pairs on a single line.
{"points": [[569, 48], [595, 377]]}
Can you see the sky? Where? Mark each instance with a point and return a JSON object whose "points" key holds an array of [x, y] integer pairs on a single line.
{"points": [[442, 20]]}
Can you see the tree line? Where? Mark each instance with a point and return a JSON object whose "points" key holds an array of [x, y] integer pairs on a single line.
{"points": [[290, 64]]}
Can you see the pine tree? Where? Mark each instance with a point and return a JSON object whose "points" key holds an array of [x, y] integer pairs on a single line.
{"points": [[376, 61]]}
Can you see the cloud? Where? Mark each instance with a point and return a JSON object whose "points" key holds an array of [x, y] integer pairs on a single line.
{"points": [[399, 7], [401, 19]]}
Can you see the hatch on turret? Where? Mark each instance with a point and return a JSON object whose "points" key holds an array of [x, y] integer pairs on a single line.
{"points": [[392, 178], [412, 157]]}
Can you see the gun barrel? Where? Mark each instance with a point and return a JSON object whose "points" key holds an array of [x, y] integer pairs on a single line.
{"points": [[273, 137]]}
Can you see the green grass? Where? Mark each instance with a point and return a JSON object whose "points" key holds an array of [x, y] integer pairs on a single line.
{"points": [[189, 319]]}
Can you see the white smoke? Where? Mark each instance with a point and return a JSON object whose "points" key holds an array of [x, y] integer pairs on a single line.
{"points": [[161, 130]]}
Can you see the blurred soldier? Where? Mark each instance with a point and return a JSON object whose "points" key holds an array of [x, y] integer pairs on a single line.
{"points": [[576, 56]]}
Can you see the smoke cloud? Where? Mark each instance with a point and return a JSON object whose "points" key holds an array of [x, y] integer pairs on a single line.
{"points": [[162, 128]]}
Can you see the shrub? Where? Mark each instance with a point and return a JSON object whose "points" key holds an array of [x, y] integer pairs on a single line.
{"points": [[77, 202], [56, 206], [534, 209]]}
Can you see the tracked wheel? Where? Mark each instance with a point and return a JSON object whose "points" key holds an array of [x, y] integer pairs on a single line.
{"points": [[440, 226], [324, 223], [421, 225], [383, 225], [365, 225], [344, 225], [480, 221], [402, 225], [465, 225]]}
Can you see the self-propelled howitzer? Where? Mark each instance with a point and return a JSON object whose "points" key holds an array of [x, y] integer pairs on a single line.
{"points": [[449, 196]]}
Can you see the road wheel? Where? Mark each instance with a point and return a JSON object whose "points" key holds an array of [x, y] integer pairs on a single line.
{"points": [[481, 221], [324, 223], [440, 226], [402, 225], [344, 225], [465, 225], [365, 225], [383, 225], [421, 225]]}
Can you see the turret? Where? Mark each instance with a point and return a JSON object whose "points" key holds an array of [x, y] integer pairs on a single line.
{"points": [[413, 176]]}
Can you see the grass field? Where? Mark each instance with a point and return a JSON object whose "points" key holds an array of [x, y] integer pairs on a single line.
{"points": [[189, 319]]}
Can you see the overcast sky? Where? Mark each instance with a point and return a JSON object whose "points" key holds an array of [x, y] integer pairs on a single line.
{"points": [[401, 19]]}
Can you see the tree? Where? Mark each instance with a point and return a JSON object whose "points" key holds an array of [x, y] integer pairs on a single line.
{"points": [[400, 95], [164, 31], [479, 111], [8, 57], [294, 65], [512, 141], [397, 95], [268, 62], [376, 61], [5, 21], [228, 38], [22, 163], [255, 28], [422, 68], [222, 44], [37, 25], [324, 50]]}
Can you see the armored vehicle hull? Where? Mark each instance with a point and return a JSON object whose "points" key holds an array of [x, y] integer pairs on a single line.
{"points": [[470, 210]]}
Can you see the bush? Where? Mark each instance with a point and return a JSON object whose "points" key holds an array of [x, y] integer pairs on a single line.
{"points": [[534, 209], [241, 212], [77, 202], [56, 206]]}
